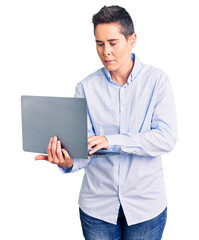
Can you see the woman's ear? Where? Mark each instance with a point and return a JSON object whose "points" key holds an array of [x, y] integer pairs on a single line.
{"points": [[132, 39]]}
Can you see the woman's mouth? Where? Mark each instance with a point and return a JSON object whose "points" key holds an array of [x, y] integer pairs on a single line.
{"points": [[109, 61]]}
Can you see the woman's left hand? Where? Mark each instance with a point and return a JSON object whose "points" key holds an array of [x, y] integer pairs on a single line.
{"points": [[97, 142]]}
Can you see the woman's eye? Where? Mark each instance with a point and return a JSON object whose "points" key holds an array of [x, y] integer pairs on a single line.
{"points": [[113, 44], [100, 44]]}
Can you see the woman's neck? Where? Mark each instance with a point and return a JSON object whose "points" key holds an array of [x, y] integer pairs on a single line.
{"points": [[121, 76]]}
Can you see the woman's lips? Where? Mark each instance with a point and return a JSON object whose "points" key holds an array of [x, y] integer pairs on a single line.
{"points": [[108, 61]]}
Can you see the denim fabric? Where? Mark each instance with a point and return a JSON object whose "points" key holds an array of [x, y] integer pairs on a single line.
{"points": [[96, 229]]}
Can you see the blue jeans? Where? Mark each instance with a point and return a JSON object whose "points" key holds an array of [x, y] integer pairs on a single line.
{"points": [[96, 229]]}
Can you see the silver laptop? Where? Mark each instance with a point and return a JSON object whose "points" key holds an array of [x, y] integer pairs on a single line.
{"points": [[66, 118]]}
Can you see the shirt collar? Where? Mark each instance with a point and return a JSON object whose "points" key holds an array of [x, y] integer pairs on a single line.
{"points": [[136, 69]]}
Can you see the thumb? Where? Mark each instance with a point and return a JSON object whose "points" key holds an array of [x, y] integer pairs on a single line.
{"points": [[41, 157]]}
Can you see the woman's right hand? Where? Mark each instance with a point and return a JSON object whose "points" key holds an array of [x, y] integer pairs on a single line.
{"points": [[56, 155]]}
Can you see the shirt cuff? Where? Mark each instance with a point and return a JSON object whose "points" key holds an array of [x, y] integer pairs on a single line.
{"points": [[114, 142], [64, 169], [78, 164]]}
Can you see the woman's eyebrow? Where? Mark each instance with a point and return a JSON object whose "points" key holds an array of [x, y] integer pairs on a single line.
{"points": [[114, 39], [99, 41], [110, 40]]}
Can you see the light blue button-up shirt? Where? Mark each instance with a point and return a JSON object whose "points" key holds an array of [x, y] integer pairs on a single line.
{"points": [[139, 121]]}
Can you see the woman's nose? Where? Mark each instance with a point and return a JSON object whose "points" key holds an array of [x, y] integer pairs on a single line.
{"points": [[107, 50]]}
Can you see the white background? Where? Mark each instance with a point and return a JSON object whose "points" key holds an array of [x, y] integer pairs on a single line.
{"points": [[46, 48]]}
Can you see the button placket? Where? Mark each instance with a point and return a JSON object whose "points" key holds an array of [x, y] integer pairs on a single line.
{"points": [[122, 130]]}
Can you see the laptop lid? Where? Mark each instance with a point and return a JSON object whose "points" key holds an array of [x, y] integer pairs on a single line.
{"points": [[45, 117]]}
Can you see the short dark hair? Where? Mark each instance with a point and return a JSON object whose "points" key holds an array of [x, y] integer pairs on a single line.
{"points": [[115, 14]]}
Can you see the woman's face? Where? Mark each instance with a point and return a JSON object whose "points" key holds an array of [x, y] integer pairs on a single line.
{"points": [[113, 48]]}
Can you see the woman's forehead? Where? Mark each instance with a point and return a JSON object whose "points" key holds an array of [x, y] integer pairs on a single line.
{"points": [[108, 31]]}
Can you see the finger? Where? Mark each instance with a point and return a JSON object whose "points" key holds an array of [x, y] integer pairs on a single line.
{"points": [[95, 149], [92, 138], [68, 161], [41, 157], [94, 142], [66, 154], [59, 152], [54, 152], [49, 150]]}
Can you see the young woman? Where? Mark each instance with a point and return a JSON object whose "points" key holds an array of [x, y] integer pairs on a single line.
{"points": [[131, 111]]}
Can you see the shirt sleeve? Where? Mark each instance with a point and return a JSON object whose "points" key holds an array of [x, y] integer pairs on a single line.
{"points": [[78, 165], [161, 137], [78, 162]]}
